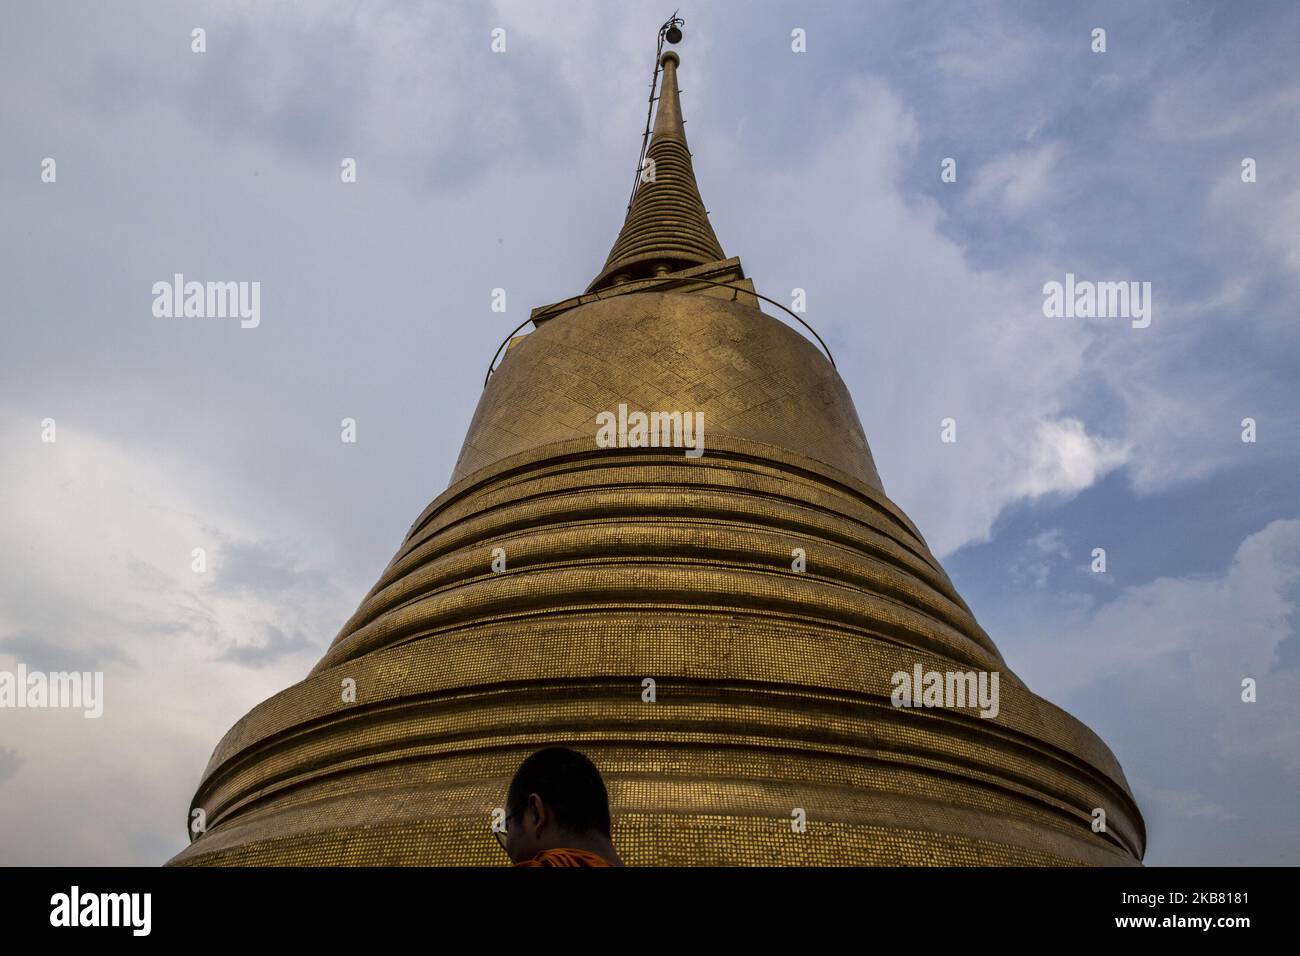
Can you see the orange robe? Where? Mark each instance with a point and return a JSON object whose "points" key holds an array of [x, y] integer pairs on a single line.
{"points": [[565, 856]]}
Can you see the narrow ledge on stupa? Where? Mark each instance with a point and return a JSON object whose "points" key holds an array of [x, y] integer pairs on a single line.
{"points": [[734, 288]]}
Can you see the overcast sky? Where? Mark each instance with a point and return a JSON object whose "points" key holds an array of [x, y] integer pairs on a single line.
{"points": [[479, 170]]}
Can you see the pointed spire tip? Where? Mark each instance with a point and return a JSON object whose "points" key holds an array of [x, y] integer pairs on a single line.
{"points": [[667, 227]]}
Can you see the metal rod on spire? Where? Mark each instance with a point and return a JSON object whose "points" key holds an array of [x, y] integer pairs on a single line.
{"points": [[670, 30]]}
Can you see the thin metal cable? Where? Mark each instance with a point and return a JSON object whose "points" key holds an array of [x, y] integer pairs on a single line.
{"points": [[612, 293], [649, 113]]}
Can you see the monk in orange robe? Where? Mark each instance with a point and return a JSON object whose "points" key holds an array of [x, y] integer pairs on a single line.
{"points": [[558, 813], [565, 856]]}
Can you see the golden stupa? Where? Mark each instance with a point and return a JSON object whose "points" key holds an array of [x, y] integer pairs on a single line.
{"points": [[649, 608]]}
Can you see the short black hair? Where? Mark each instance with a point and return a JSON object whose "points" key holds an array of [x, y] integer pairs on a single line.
{"points": [[568, 783]]}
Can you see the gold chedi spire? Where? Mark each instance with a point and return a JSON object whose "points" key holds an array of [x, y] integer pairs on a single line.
{"points": [[723, 628], [667, 228]]}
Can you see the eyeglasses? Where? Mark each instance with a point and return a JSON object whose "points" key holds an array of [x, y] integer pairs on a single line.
{"points": [[505, 824]]}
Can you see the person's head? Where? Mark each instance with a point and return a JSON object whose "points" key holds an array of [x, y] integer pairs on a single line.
{"points": [[557, 798]]}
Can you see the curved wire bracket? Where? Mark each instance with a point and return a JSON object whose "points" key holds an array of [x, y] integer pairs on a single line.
{"points": [[504, 342], [641, 283]]}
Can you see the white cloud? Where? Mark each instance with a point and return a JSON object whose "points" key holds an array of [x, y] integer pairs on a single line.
{"points": [[1157, 672], [1034, 564], [980, 49], [1184, 803], [1200, 107], [1188, 643], [1022, 181], [908, 315], [1264, 212], [97, 538], [1064, 458]]}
